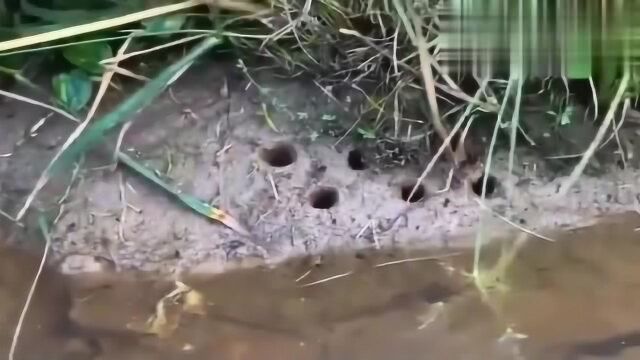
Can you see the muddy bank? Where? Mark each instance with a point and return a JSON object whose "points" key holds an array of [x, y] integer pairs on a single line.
{"points": [[574, 299], [281, 175]]}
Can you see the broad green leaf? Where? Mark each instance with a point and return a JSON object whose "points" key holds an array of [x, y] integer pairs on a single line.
{"points": [[72, 90], [88, 56], [164, 24]]}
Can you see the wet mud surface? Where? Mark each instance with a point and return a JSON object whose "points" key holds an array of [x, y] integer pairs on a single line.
{"points": [[573, 299], [287, 177]]}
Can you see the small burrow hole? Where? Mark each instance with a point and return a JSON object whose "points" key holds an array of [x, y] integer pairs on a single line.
{"points": [[279, 155], [355, 159], [324, 198], [492, 184], [407, 187]]}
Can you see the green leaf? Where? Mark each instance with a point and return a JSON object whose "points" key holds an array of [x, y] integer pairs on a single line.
{"points": [[72, 90], [88, 56], [124, 112], [367, 133], [164, 24]]}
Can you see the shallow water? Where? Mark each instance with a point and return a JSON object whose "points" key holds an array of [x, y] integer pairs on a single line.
{"points": [[573, 299]]}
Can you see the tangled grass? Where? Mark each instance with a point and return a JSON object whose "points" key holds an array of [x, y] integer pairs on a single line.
{"points": [[397, 53], [382, 49]]}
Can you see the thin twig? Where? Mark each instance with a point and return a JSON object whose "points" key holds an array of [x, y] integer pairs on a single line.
{"points": [[364, 228], [521, 228], [427, 78], [480, 232], [623, 118], [25, 308], [123, 204], [14, 220], [38, 103], [623, 153], [328, 279], [44, 177], [123, 20], [155, 48], [595, 97], [577, 171], [67, 191], [127, 73], [121, 135], [306, 273], [447, 185], [515, 120], [273, 186], [445, 144], [375, 233], [40, 123], [416, 259]]}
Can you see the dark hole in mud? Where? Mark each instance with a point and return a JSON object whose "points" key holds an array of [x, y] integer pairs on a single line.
{"points": [[279, 155], [492, 184], [324, 198], [407, 187], [356, 160]]}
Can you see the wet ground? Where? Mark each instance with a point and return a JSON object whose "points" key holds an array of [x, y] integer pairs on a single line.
{"points": [[300, 189], [572, 299]]}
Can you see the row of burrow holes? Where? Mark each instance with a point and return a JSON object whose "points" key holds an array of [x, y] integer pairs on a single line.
{"points": [[325, 197]]}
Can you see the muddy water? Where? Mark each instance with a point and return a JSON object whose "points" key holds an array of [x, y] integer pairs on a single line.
{"points": [[573, 299]]}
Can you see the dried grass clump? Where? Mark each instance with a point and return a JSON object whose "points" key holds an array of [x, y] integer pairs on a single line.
{"points": [[370, 46]]}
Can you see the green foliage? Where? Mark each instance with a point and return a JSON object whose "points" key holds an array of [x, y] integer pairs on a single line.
{"points": [[124, 112], [14, 62], [66, 13], [165, 24], [72, 90], [86, 52], [88, 56], [322, 39]]}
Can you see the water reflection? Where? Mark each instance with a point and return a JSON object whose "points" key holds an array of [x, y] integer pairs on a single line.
{"points": [[574, 299]]}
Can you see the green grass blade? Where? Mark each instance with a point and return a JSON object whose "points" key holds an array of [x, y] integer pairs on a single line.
{"points": [[189, 200], [64, 17], [146, 172], [124, 112], [81, 142]]}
